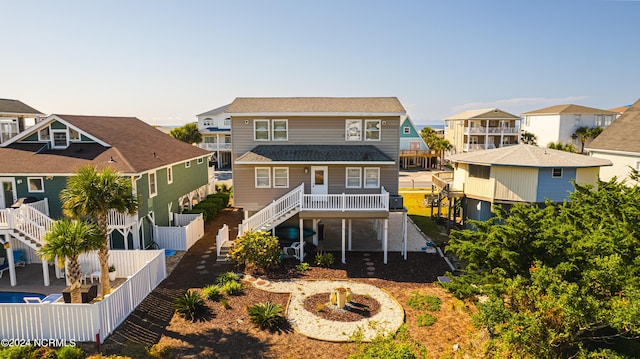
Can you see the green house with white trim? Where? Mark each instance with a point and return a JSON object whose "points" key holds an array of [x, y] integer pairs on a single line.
{"points": [[167, 175]]}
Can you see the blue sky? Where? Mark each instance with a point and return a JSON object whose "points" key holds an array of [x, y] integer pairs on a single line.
{"points": [[167, 61]]}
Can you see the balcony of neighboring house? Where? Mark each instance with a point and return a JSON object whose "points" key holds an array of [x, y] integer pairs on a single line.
{"points": [[489, 140], [506, 127], [215, 146], [8, 129]]}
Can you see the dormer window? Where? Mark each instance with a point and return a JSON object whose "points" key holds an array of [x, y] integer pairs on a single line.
{"points": [[74, 135], [44, 134], [60, 139]]}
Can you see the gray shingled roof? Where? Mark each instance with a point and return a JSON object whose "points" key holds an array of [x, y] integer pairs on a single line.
{"points": [[15, 107], [215, 111], [314, 153], [569, 109], [528, 156], [622, 134], [389, 105]]}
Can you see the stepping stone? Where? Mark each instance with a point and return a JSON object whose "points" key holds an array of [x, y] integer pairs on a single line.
{"points": [[371, 269], [203, 262], [212, 248], [365, 254], [208, 252], [204, 272], [369, 263], [201, 267], [205, 256], [370, 273]]}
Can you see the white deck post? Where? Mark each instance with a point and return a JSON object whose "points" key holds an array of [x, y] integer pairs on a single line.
{"points": [[45, 272], [12, 266], [344, 258], [385, 238], [301, 240], [349, 234], [315, 229], [404, 233]]}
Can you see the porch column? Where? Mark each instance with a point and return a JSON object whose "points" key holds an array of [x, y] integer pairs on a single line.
{"points": [[45, 272], [301, 240], [349, 234], [344, 258], [246, 214], [12, 266], [405, 224], [315, 229], [385, 238]]}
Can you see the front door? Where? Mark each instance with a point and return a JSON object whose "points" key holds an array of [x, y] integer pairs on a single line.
{"points": [[7, 193], [319, 180]]}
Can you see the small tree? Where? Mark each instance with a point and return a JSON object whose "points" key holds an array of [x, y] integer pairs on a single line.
{"points": [[188, 133], [528, 138], [68, 239], [256, 250], [567, 147]]}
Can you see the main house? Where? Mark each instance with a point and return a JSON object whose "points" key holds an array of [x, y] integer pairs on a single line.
{"points": [[620, 144], [312, 158], [516, 174], [13, 116], [559, 123], [482, 129], [167, 175], [215, 127]]}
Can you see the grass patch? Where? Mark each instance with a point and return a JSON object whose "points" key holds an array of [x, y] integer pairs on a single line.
{"points": [[420, 301], [426, 320], [421, 215]]}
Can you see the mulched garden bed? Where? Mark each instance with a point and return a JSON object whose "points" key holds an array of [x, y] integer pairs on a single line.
{"points": [[360, 307]]}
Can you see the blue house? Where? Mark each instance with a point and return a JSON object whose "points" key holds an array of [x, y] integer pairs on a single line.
{"points": [[414, 152]]}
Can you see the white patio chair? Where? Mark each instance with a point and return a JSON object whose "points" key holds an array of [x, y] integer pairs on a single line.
{"points": [[294, 251]]}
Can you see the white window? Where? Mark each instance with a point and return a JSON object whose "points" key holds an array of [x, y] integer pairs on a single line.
{"points": [[371, 177], [473, 140], [354, 177], [74, 135], [44, 135], [227, 122], [187, 164], [608, 119], [281, 177], [598, 121], [280, 130], [638, 165], [263, 177], [577, 119], [60, 139], [372, 130], [200, 160], [36, 184], [505, 140], [207, 122], [353, 130], [406, 130], [556, 173], [169, 174], [261, 130], [153, 190]]}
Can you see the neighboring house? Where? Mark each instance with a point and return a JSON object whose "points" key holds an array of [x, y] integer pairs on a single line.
{"points": [[516, 174], [13, 116], [311, 158], [413, 150], [167, 175], [620, 144], [483, 129], [559, 123], [620, 110], [215, 127]]}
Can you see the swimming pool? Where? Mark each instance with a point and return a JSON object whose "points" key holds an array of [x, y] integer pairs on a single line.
{"points": [[17, 297]]}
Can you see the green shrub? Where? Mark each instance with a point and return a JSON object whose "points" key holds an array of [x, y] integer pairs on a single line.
{"points": [[68, 352], [204, 212], [233, 288], [218, 201], [420, 301], [210, 207], [222, 195], [256, 250], [324, 259], [227, 277], [266, 315], [212, 292], [190, 304], [223, 188], [302, 267], [159, 351], [44, 353], [426, 320], [17, 352]]}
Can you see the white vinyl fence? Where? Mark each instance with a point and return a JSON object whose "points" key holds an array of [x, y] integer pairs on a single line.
{"points": [[190, 228], [85, 322]]}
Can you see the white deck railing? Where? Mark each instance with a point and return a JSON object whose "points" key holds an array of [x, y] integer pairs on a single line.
{"points": [[346, 202], [214, 146], [82, 322], [42, 206], [27, 220], [222, 239], [120, 220], [180, 238], [289, 203]]}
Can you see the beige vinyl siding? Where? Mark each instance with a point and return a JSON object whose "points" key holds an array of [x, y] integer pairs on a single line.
{"points": [[253, 199], [455, 135], [319, 131], [587, 176], [515, 183], [480, 188], [460, 176]]}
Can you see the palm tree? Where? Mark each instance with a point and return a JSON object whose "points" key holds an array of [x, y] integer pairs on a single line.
{"points": [[528, 138], [567, 147], [582, 133], [90, 193], [68, 239], [441, 146]]}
